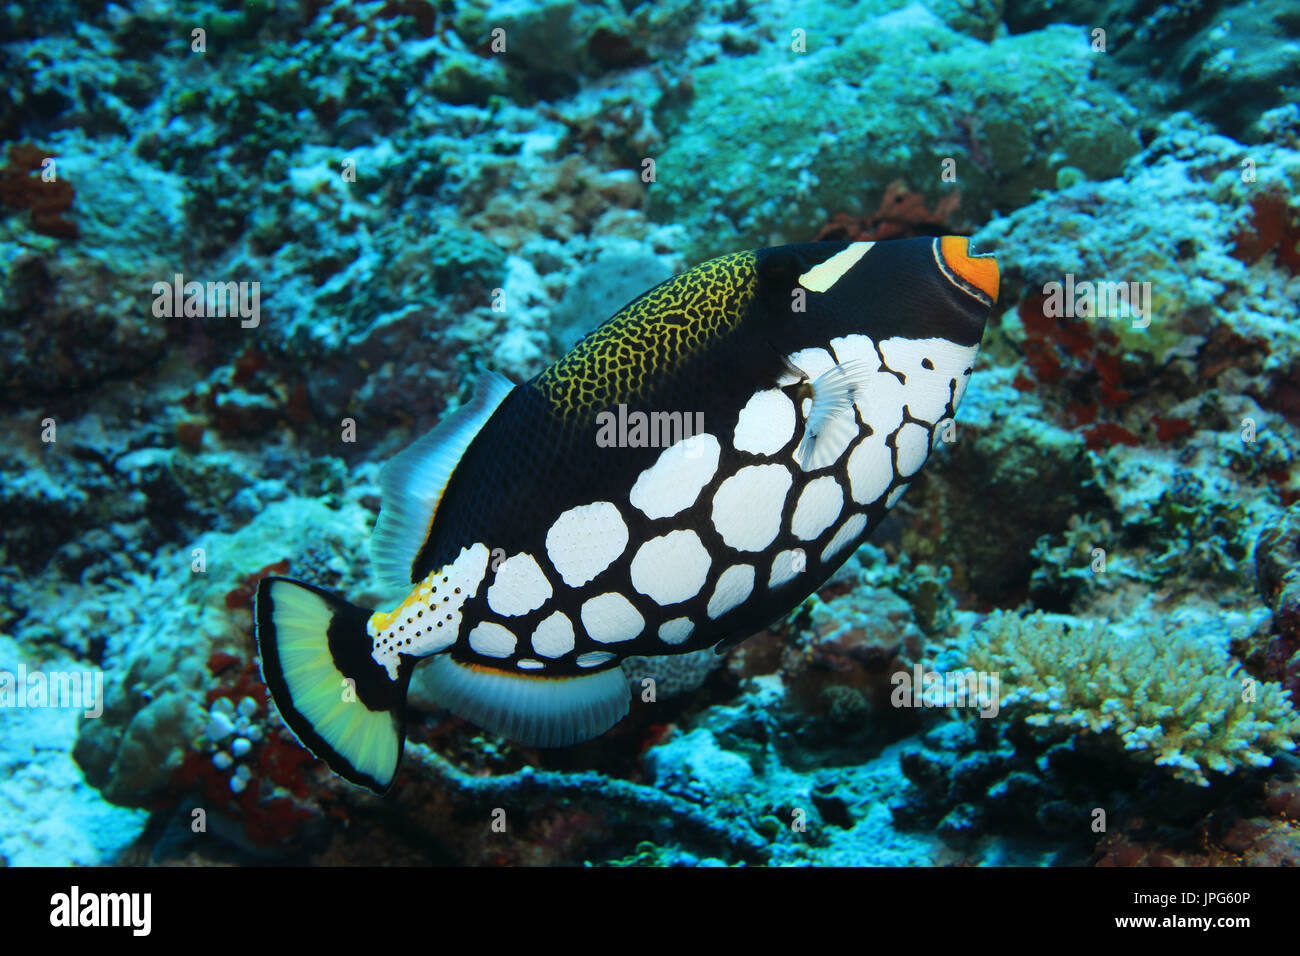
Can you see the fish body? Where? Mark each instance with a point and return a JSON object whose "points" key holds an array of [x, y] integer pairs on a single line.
{"points": [[689, 472]]}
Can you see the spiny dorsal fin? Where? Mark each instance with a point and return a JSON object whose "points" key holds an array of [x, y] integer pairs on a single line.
{"points": [[413, 482]]}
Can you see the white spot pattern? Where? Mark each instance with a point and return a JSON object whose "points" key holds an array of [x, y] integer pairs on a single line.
{"points": [[928, 389], [553, 637], [676, 479], [519, 587], [733, 587], [819, 505], [672, 567], [785, 566], [913, 445], [610, 618], [747, 506], [426, 623], [676, 631], [491, 640], [870, 469], [766, 423], [585, 540], [895, 495], [849, 531]]}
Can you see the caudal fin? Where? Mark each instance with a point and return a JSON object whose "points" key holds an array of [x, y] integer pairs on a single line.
{"points": [[341, 705]]}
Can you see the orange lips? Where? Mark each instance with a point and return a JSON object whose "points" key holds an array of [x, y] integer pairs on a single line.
{"points": [[979, 271]]}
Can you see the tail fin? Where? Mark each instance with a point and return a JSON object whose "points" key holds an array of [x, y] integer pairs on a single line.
{"points": [[338, 701]]}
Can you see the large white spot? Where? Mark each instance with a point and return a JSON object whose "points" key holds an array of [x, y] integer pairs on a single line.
{"points": [[812, 362], [585, 540], [856, 349], [766, 423], [819, 505], [879, 396], [747, 506], [880, 400], [675, 480], [825, 274], [913, 444], [895, 495], [733, 587], [871, 469], [676, 631], [848, 532], [671, 568], [785, 566], [929, 389], [491, 640], [519, 587], [610, 618], [554, 636]]}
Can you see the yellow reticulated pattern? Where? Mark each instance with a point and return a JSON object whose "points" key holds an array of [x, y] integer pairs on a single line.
{"points": [[651, 336]]}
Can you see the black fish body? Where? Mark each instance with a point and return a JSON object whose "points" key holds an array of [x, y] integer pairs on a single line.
{"points": [[689, 472]]}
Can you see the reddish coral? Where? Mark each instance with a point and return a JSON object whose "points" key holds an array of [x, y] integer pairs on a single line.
{"points": [[242, 595], [1167, 429], [279, 799], [247, 364], [1269, 836], [1273, 228], [219, 661], [22, 188], [902, 214], [1087, 363], [1107, 434], [189, 434]]}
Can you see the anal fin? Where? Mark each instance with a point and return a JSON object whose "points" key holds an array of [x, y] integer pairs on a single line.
{"points": [[532, 710]]}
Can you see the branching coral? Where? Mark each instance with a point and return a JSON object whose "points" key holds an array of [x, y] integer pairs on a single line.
{"points": [[1169, 697]]}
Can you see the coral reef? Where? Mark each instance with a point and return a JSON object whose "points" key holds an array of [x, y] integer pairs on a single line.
{"points": [[422, 191], [1165, 695], [957, 100], [1227, 60], [1277, 555]]}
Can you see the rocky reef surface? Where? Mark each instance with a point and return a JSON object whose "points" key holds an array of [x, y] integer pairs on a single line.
{"points": [[1113, 528]]}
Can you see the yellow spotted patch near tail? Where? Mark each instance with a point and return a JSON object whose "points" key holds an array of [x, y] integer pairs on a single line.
{"points": [[651, 336], [382, 620]]}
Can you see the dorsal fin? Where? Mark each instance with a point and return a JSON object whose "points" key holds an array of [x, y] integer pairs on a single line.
{"points": [[413, 482]]}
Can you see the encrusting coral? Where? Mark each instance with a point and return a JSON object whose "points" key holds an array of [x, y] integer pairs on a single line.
{"points": [[1170, 698]]}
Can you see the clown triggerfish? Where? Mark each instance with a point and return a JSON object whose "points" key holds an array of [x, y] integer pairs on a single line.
{"points": [[689, 472]]}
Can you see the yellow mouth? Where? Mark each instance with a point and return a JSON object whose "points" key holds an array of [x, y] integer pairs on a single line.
{"points": [[980, 271]]}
